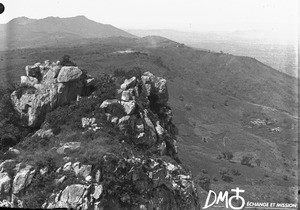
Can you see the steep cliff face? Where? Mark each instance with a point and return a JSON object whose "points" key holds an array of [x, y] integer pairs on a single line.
{"points": [[142, 172]]}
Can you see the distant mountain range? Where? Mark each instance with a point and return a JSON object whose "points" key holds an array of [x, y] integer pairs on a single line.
{"points": [[24, 32]]}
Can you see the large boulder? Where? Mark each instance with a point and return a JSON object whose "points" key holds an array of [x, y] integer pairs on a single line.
{"points": [[129, 106], [33, 106], [23, 178], [28, 80], [5, 182], [58, 86], [69, 73], [77, 196], [128, 83], [51, 75]]}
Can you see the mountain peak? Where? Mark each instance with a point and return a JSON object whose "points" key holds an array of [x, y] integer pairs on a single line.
{"points": [[21, 20], [80, 17]]}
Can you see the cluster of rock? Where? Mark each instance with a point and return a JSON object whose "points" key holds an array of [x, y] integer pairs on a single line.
{"points": [[90, 123], [158, 185], [152, 178], [14, 178], [47, 86], [259, 123], [142, 109]]}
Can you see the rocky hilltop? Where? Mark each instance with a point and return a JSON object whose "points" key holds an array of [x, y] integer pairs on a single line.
{"points": [[98, 143]]}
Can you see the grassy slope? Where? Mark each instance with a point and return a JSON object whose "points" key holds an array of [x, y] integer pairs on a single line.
{"points": [[206, 81]]}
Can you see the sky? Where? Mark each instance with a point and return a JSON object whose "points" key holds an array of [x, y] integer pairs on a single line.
{"points": [[276, 16]]}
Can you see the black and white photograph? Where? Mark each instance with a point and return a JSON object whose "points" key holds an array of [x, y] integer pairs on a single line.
{"points": [[149, 105]]}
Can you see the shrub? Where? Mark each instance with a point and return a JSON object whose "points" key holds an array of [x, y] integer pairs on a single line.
{"points": [[65, 61], [134, 72], [188, 107], [227, 155], [105, 87], [33, 143], [159, 62], [203, 181], [247, 160], [119, 73], [225, 175], [235, 172], [204, 171], [258, 162], [58, 117]]}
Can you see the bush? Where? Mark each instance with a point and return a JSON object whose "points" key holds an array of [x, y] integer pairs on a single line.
{"points": [[105, 87], [225, 175], [188, 107], [65, 61], [33, 143], [247, 160], [159, 62], [203, 181], [235, 172], [227, 155]]}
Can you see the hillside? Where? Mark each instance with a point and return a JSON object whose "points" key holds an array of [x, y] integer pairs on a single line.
{"points": [[71, 140], [24, 32], [279, 54], [234, 114]]}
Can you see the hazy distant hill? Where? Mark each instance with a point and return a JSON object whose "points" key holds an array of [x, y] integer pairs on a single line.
{"points": [[273, 51], [24, 32]]}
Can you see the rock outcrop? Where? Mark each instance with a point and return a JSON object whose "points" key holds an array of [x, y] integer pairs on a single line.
{"points": [[142, 108], [147, 174], [45, 87]]}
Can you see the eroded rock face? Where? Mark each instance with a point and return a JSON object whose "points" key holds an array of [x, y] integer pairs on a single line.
{"points": [[51, 86], [145, 175]]}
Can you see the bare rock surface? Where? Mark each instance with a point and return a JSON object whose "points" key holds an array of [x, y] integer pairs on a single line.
{"points": [[47, 87]]}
